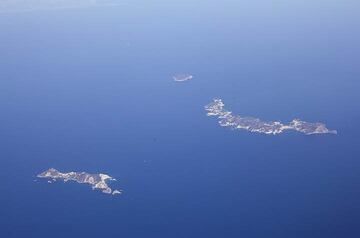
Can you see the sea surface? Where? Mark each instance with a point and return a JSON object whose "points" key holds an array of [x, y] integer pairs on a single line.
{"points": [[91, 89]]}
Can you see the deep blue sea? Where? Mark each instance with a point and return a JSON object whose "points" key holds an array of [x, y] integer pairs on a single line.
{"points": [[91, 89]]}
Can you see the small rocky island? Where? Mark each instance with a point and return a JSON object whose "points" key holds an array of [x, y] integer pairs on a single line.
{"points": [[182, 77], [97, 181], [227, 119]]}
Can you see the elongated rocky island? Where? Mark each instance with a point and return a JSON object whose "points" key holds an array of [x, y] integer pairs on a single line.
{"points": [[227, 119], [97, 181]]}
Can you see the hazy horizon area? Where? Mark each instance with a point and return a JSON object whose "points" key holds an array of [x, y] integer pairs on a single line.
{"points": [[33, 5]]}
